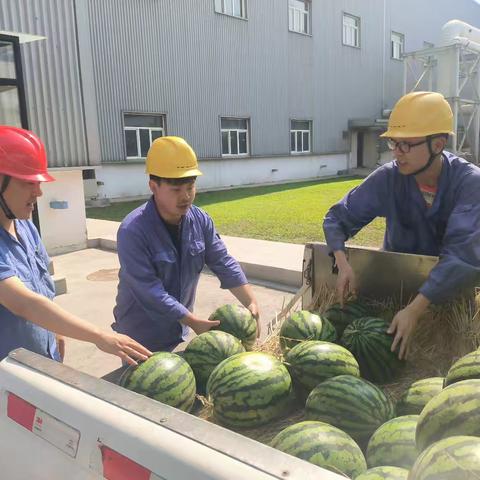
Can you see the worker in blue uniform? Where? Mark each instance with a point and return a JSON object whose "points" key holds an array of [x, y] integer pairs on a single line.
{"points": [[28, 317], [163, 246], [430, 199]]}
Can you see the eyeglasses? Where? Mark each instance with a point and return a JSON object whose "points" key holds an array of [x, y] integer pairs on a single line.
{"points": [[404, 147]]}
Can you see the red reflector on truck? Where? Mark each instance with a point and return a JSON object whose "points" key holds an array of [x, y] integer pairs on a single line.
{"points": [[118, 467], [20, 411]]}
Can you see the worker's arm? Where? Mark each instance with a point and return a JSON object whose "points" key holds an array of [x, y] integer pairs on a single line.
{"points": [[347, 217], [245, 295], [458, 267], [35, 308], [220, 262], [139, 271]]}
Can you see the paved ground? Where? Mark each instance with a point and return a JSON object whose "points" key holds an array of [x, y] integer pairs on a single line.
{"points": [[92, 283]]}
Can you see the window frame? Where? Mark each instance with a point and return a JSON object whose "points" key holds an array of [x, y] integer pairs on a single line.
{"points": [[126, 128], [356, 28], [221, 8], [237, 131], [301, 131], [292, 10], [401, 36]]}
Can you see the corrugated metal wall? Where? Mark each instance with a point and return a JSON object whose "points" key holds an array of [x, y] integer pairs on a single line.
{"points": [[180, 58], [52, 77]]}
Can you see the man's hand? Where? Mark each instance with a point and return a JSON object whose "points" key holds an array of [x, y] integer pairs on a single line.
{"points": [[199, 325], [123, 346], [405, 322], [346, 283], [403, 325], [61, 346], [253, 307]]}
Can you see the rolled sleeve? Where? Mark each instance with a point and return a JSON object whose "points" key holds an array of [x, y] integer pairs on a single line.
{"points": [[140, 276], [222, 264]]}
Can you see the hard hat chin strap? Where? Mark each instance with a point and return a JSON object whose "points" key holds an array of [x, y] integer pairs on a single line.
{"points": [[430, 159], [3, 204]]}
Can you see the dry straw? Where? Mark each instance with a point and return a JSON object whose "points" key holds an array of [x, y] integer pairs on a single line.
{"points": [[444, 334]]}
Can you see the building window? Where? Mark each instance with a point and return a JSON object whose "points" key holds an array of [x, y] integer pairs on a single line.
{"points": [[234, 8], [300, 136], [351, 30], [398, 45], [140, 132], [299, 16], [234, 136]]}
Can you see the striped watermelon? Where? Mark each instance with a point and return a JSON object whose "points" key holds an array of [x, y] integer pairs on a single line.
{"points": [[393, 443], [454, 411], [238, 321], [312, 362], [418, 394], [453, 458], [352, 404], [464, 368], [304, 325], [165, 377], [368, 340], [341, 317], [249, 389], [323, 445], [207, 350], [384, 473]]}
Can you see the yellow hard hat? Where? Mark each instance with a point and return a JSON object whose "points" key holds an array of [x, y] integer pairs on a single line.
{"points": [[172, 157], [419, 114]]}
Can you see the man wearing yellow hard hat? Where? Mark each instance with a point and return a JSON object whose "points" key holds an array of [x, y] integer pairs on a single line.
{"points": [[431, 201], [163, 246]]}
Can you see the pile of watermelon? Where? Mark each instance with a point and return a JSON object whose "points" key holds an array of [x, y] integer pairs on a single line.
{"points": [[333, 366]]}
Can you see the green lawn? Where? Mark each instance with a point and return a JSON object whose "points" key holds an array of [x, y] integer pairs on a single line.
{"points": [[289, 213]]}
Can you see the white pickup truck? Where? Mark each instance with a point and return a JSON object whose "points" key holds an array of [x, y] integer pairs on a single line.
{"points": [[59, 423]]}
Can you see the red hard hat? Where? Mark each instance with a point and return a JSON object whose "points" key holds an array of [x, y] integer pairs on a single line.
{"points": [[22, 155]]}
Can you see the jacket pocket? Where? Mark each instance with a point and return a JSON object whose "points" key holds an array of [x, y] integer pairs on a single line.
{"points": [[196, 253]]}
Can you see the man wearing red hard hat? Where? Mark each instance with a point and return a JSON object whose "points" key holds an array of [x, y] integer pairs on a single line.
{"points": [[28, 316]]}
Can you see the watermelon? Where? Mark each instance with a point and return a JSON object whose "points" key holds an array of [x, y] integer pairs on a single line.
{"points": [[454, 411], [453, 458], [304, 325], [464, 368], [207, 350], [418, 394], [384, 473], [249, 389], [341, 317], [311, 362], [323, 445], [368, 340], [352, 404], [165, 377], [393, 443], [238, 321]]}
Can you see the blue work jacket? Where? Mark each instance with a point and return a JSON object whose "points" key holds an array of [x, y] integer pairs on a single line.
{"points": [[157, 285], [450, 228], [28, 260]]}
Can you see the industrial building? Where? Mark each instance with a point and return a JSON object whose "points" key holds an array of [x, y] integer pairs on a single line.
{"points": [[265, 91]]}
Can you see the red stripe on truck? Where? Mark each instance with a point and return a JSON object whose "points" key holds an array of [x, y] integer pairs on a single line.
{"points": [[20, 411], [118, 467]]}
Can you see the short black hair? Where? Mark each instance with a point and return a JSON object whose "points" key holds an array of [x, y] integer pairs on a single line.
{"points": [[173, 181]]}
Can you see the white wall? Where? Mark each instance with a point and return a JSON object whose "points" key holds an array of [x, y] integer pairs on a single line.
{"points": [[63, 230], [127, 181]]}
